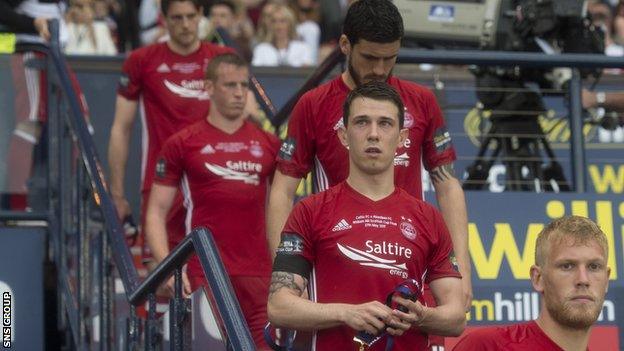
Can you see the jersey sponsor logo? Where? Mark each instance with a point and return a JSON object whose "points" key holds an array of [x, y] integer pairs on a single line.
{"points": [[208, 149], [408, 119], [287, 149], [342, 225], [367, 259], [291, 244], [186, 67], [255, 149], [236, 174], [442, 139], [402, 160], [407, 228], [161, 168], [163, 68], [185, 92]]}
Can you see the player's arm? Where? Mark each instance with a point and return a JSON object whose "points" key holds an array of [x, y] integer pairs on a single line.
{"points": [[281, 198], [450, 196], [118, 145], [610, 101], [446, 319], [287, 309], [160, 202]]}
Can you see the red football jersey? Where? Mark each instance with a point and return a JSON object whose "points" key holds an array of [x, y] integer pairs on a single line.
{"points": [[170, 88], [224, 178], [361, 249], [519, 337], [312, 136]]}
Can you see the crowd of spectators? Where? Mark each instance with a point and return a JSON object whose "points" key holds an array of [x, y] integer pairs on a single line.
{"points": [[294, 33]]}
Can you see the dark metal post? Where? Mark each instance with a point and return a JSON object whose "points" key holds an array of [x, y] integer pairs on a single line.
{"points": [[151, 326], [577, 142], [175, 311], [133, 330]]}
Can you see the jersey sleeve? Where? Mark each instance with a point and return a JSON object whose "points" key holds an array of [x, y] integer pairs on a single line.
{"points": [[442, 261], [296, 242], [437, 146], [296, 154], [130, 80], [170, 164]]}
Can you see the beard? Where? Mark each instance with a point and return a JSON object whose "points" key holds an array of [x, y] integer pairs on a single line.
{"points": [[573, 316], [358, 79]]}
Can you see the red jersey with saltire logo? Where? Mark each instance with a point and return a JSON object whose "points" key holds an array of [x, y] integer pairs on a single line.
{"points": [[361, 249], [312, 140], [519, 337], [170, 88], [224, 179]]}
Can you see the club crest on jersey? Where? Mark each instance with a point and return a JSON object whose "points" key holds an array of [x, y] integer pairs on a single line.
{"points": [[407, 228], [408, 119], [255, 149]]}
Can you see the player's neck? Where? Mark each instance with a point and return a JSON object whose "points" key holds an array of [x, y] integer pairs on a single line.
{"points": [[229, 126], [374, 187], [182, 49], [348, 80], [567, 338]]}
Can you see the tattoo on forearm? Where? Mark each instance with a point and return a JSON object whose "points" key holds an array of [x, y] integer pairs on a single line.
{"points": [[442, 173], [285, 280]]}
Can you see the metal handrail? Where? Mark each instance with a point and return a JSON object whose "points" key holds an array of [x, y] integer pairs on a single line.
{"points": [[199, 241]]}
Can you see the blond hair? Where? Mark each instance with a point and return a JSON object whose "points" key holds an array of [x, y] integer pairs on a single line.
{"points": [[581, 230]]}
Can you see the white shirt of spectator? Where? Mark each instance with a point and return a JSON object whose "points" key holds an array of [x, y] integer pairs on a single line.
{"points": [[297, 54], [310, 33], [80, 43]]}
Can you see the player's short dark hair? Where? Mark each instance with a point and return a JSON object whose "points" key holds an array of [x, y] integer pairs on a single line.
{"points": [[378, 21], [215, 62], [164, 5], [227, 3], [375, 90]]}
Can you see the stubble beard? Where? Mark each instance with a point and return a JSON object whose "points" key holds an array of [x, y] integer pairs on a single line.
{"points": [[575, 317]]}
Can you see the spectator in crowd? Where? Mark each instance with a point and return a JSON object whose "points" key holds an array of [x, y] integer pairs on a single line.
{"points": [[371, 40], [280, 46], [308, 16], [224, 14], [87, 36], [27, 154], [572, 277], [618, 23], [328, 234], [226, 162], [602, 17], [167, 80], [102, 12]]}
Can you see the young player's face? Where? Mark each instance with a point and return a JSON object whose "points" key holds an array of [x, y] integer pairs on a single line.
{"points": [[182, 21], [573, 280], [372, 135], [368, 61], [229, 91]]}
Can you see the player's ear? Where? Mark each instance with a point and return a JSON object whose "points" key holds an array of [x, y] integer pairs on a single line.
{"points": [[208, 86], [537, 278], [342, 135], [345, 46]]}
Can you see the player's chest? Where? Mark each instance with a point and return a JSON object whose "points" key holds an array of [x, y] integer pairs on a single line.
{"points": [[377, 241], [245, 162], [177, 81]]}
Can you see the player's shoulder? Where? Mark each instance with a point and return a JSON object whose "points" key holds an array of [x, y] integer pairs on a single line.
{"points": [[410, 201], [496, 338], [188, 132], [328, 90], [266, 136], [148, 52], [411, 89]]}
